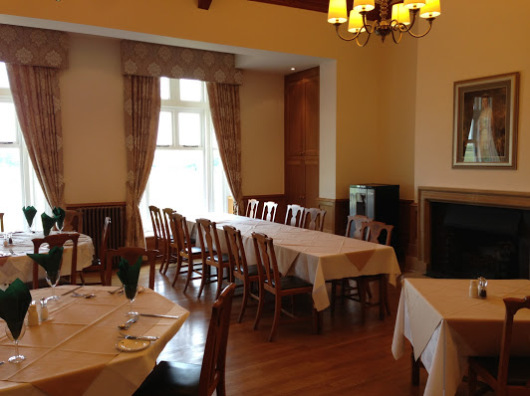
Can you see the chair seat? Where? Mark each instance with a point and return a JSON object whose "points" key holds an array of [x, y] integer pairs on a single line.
{"points": [[171, 378], [292, 282], [224, 258], [518, 369], [252, 270]]}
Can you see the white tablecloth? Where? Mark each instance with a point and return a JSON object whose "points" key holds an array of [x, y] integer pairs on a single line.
{"points": [[312, 255], [445, 326], [15, 264], [75, 352]]}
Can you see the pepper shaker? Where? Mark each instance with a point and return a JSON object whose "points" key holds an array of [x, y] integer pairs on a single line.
{"points": [[33, 316]]}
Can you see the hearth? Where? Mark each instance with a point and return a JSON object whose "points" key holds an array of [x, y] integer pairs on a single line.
{"points": [[466, 234]]}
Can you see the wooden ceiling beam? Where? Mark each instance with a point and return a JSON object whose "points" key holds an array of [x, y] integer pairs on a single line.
{"points": [[205, 4]]}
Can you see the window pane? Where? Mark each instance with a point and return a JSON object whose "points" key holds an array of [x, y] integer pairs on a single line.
{"points": [[165, 129], [189, 129], [191, 90], [11, 204], [165, 92], [4, 81], [8, 124]]}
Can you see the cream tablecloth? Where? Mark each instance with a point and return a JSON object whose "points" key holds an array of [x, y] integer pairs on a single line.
{"points": [[445, 326], [75, 352], [312, 255], [15, 264]]}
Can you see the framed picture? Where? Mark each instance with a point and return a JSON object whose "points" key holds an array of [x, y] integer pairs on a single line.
{"points": [[485, 122]]}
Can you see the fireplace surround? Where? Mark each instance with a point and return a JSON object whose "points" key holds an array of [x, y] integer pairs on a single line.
{"points": [[464, 233]]}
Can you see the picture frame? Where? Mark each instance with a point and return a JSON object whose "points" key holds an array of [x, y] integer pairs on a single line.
{"points": [[485, 122]]}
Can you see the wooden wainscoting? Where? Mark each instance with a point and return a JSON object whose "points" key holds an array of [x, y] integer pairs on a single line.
{"points": [[278, 198], [336, 214]]}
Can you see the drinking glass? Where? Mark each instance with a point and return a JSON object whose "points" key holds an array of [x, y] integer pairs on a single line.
{"points": [[52, 278], [131, 292], [17, 357]]}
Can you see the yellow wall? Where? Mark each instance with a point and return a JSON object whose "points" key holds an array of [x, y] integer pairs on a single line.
{"points": [[473, 39], [365, 148]]}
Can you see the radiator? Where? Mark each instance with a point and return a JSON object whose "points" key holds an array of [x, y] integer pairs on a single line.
{"points": [[94, 219]]}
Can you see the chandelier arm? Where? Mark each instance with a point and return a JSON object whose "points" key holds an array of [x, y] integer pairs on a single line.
{"points": [[345, 38], [398, 40], [368, 26], [424, 33], [357, 41]]}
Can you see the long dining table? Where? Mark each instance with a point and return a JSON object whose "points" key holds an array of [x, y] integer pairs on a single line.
{"points": [[14, 263], [314, 256], [78, 351], [445, 326]]}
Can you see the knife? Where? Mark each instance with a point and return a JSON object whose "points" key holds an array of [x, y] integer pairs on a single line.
{"points": [[141, 338], [160, 316], [72, 290]]}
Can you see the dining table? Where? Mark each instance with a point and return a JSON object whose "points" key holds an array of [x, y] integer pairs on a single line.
{"points": [[14, 262], [314, 256], [79, 350], [445, 325]]}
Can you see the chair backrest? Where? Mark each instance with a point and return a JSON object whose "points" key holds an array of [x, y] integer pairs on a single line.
{"points": [[236, 251], [103, 248], [2, 222], [73, 220], [377, 232], [294, 215], [158, 226], [252, 208], [355, 224], [131, 254], [56, 240], [167, 228], [214, 358], [266, 260], [181, 235], [208, 239], [269, 211], [512, 306], [313, 219]]}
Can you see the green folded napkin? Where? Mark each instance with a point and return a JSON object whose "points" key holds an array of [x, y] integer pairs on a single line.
{"points": [[14, 303], [29, 213], [47, 223], [128, 275], [50, 261], [59, 215]]}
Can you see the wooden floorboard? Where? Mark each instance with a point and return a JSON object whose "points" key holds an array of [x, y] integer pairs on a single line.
{"points": [[348, 358]]}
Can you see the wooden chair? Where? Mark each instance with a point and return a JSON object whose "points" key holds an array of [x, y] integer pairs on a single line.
{"points": [[159, 232], [252, 208], [272, 281], [131, 254], [212, 255], [175, 378], [187, 253], [504, 374], [1, 222], [100, 266], [354, 226], [73, 220], [52, 241], [376, 232], [313, 219], [239, 269], [170, 253], [269, 211], [293, 216]]}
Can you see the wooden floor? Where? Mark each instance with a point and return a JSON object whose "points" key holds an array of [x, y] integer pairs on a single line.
{"points": [[346, 359]]}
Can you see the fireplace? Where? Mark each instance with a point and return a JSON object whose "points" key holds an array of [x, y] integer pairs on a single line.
{"points": [[470, 233]]}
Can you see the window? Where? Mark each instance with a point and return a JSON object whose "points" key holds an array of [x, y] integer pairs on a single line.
{"points": [[15, 166], [187, 173]]}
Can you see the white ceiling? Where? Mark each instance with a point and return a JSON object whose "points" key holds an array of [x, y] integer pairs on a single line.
{"points": [[246, 58]]}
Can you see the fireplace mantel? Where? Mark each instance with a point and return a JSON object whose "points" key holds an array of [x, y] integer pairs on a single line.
{"points": [[504, 199]]}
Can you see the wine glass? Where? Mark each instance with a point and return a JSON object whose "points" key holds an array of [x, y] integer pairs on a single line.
{"points": [[52, 278], [17, 357], [131, 291]]}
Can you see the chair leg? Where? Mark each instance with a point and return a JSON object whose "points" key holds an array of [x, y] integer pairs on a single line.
{"points": [[190, 274], [277, 313], [471, 381], [220, 274], [260, 305], [361, 289], [382, 302], [246, 293], [333, 295], [415, 371], [205, 273]]}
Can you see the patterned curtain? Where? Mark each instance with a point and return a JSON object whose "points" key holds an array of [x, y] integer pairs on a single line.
{"points": [[36, 96], [224, 105], [142, 108]]}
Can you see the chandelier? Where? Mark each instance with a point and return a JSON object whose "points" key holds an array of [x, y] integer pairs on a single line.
{"points": [[403, 18]]}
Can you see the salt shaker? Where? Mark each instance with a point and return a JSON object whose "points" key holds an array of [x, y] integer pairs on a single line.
{"points": [[482, 283], [43, 310], [473, 288], [33, 316]]}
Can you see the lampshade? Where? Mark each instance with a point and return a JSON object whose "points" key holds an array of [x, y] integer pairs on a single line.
{"points": [[431, 9], [363, 5], [414, 4], [356, 22], [401, 14], [337, 12]]}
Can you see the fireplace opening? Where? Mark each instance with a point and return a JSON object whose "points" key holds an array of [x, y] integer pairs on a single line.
{"points": [[468, 241]]}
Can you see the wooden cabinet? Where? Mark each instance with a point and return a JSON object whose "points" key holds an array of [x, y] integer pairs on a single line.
{"points": [[302, 137]]}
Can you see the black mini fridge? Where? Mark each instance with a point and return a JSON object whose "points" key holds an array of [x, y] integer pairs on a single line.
{"points": [[377, 201]]}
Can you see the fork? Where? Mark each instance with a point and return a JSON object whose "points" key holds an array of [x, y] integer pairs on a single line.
{"points": [[128, 324]]}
